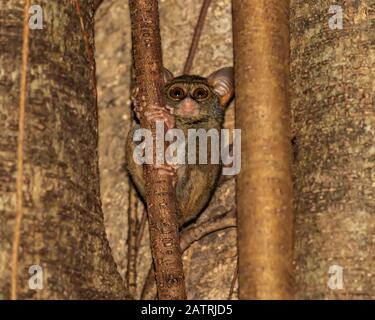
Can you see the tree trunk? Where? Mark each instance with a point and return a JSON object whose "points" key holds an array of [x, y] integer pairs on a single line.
{"points": [[50, 208], [264, 185], [333, 82]]}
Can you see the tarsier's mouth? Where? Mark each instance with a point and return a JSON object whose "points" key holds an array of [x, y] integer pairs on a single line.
{"points": [[187, 113], [192, 120]]}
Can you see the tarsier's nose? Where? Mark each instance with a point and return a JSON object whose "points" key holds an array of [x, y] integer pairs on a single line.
{"points": [[187, 107]]}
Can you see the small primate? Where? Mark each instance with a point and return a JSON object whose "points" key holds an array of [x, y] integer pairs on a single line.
{"points": [[193, 102]]}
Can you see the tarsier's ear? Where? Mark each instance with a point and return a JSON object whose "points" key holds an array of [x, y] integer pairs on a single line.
{"points": [[168, 76], [222, 82]]}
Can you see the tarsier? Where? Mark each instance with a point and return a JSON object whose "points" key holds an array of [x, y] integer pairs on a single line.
{"points": [[193, 102]]}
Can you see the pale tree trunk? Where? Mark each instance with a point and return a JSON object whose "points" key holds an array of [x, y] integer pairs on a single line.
{"points": [[333, 85], [50, 208], [264, 185]]}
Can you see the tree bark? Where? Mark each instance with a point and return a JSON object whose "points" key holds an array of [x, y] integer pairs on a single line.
{"points": [[264, 185], [50, 208], [160, 194], [333, 81]]}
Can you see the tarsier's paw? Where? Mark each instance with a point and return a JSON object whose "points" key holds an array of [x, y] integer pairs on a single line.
{"points": [[154, 114], [139, 102], [134, 94]]}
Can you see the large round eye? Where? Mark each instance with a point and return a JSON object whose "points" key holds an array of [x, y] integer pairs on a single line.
{"points": [[177, 93], [200, 93]]}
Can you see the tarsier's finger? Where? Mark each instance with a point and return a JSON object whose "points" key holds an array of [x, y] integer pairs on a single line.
{"points": [[134, 94], [170, 109], [138, 115], [161, 115], [156, 115], [133, 98], [166, 168], [165, 172], [141, 105]]}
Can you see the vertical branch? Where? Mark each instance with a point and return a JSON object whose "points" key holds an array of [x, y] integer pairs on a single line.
{"points": [[160, 194], [197, 34], [264, 186]]}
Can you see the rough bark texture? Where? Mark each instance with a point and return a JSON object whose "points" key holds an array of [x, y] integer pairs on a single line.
{"points": [[264, 185], [57, 219], [131, 269], [333, 85], [209, 263], [187, 238], [160, 194]]}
